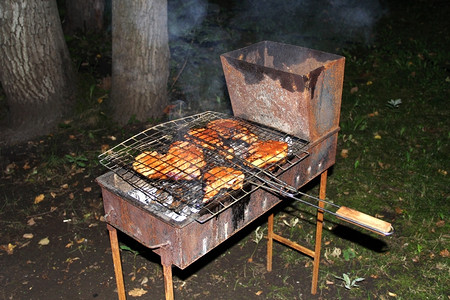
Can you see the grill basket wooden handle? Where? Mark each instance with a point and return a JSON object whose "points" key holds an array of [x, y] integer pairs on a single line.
{"points": [[361, 219]]}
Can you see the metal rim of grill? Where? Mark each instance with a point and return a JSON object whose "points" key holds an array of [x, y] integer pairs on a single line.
{"points": [[182, 199]]}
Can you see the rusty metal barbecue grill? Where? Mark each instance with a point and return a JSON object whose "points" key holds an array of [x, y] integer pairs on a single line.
{"points": [[278, 93], [181, 200]]}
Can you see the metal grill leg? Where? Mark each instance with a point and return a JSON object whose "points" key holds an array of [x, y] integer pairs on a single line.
{"points": [[319, 225], [117, 262], [269, 242], [168, 284]]}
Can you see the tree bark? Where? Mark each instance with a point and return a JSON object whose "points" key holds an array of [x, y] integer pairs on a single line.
{"points": [[140, 59], [36, 72], [84, 15]]}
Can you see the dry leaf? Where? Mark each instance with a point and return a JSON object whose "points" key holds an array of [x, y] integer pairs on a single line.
{"points": [[26, 166], [137, 292], [10, 168], [144, 280], [398, 210], [444, 253], [440, 223], [392, 294], [87, 189], [70, 244], [31, 222], [258, 293], [53, 194], [44, 241], [65, 186], [353, 90], [442, 172], [39, 198], [344, 153], [328, 282], [8, 248], [104, 148], [71, 196], [79, 241], [377, 136], [250, 259], [28, 236]]}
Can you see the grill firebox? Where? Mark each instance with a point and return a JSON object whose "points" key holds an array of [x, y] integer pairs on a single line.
{"points": [[294, 90]]}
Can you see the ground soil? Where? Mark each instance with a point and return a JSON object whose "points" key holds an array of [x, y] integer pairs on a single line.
{"points": [[76, 263]]}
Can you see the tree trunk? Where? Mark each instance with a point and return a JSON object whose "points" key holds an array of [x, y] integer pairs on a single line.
{"points": [[36, 72], [84, 15], [140, 59]]}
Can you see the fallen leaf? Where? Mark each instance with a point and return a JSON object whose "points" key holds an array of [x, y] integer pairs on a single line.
{"points": [[442, 172], [137, 292], [258, 293], [353, 90], [44, 241], [8, 248], [440, 223], [79, 241], [28, 236], [374, 114], [250, 259], [70, 244], [71, 196], [26, 166], [328, 282], [65, 186], [398, 210], [377, 136], [344, 153], [10, 168], [444, 253], [144, 280], [87, 189], [53, 194], [31, 222], [104, 148], [369, 82], [39, 198], [392, 294]]}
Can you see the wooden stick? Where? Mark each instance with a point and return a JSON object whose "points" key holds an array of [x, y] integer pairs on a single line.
{"points": [[117, 262], [168, 284], [319, 225], [361, 219]]}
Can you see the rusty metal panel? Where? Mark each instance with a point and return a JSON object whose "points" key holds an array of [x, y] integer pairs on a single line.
{"points": [[185, 244], [294, 89]]}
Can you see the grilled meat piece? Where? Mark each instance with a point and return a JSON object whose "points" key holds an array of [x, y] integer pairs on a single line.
{"points": [[263, 153], [183, 161], [209, 139], [221, 178], [232, 129]]}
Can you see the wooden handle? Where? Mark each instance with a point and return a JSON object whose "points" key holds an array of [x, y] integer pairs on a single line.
{"points": [[360, 219]]}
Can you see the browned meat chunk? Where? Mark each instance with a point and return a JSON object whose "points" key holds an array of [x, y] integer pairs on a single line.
{"points": [[263, 153], [209, 139], [232, 129], [221, 178], [183, 161]]}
